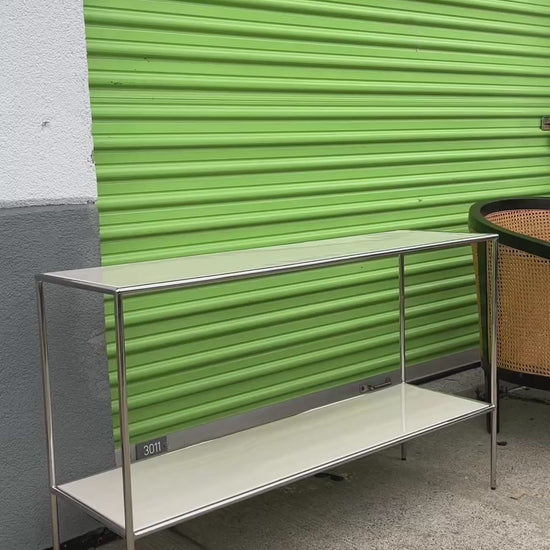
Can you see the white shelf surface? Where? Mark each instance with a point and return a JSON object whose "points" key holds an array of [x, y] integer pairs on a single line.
{"points": [[185, 483], [211, 268]]}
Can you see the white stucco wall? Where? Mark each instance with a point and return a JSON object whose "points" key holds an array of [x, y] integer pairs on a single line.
{"points": [[45, 123]]}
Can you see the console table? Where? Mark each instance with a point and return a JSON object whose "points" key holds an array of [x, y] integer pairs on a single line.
{"points": [[137, 499]]}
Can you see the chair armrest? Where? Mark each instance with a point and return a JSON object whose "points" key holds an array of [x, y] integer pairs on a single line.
{"points": [[478, 222]]}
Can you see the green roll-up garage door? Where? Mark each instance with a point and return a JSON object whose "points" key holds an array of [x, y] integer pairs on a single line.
{"points": [[229, 124]]}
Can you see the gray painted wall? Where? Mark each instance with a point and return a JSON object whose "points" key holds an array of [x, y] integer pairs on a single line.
{"points": [[36, 240]]}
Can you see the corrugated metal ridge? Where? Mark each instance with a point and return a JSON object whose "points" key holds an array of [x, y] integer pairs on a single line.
{"points": [[239, 55], [317, 113], [123, 201], [297, 214], [128, 141], [142, 170], [512, 6], [155, 20], [336, 11]]}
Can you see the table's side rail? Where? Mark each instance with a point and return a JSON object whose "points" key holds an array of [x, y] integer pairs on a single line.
{"points": [[75, 283]]}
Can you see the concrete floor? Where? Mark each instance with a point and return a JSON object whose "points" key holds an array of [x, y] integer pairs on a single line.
{"points": [[438, 499]]}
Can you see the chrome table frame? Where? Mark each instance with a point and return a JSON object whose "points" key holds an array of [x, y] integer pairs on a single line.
{"points": [[71, 278]]}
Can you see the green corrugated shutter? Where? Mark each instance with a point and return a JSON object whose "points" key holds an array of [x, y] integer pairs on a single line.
{"points": [[228, 124]]}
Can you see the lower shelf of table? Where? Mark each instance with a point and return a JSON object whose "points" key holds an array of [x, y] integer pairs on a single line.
{"points": [[188, 482]]}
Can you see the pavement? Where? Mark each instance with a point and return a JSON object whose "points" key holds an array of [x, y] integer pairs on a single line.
{"points": [[438, 499]]}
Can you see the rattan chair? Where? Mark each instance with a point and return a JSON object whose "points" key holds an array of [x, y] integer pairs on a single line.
{"points": [[523, 312]]}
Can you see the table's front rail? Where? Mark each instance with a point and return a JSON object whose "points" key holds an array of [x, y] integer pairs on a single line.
{"points": [[190, 271]]}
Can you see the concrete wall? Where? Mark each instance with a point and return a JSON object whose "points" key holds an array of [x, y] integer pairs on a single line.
{"points": [[45, 138], [48, 221]]}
